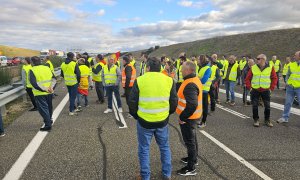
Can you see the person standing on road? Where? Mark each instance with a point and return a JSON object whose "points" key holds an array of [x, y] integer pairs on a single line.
{"points": [[151, 106], [43, 81], [204, 75], [189, 110], [128, 78], [277, 66], [97, 77], [71, 73], [245, 71], [230, 76], [83, 88], [216, 83], [292, 88], [26, 83], [111, 78], [285, 70], [2, 133], [182, 59], [132, 60], [143, 64], [49, 64], [170, 71], [242, 64], [261, 80]]}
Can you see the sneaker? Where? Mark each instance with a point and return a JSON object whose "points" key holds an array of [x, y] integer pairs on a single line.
{"points": [[102, 102], [120, 110], [79, 107], [72, 114], [108, 111], [227, 102], [129, 115], [282, 120], [77, 110], [268, 123], [202, 125], [232, 103], [256, 123], [185, 161], [185, 171], [33, 109], [2, 134], [86, 105], [45, 129]]}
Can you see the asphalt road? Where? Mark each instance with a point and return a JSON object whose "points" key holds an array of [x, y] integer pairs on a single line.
{"points": [[93, 146]]}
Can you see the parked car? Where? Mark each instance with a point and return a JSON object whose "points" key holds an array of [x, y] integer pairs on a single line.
{"points": [[3, 60], [13, 61]]}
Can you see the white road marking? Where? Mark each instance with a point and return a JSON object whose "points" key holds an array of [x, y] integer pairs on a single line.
{"points": [[233, 112], [120, 114], [236, 156], [273, 105], [20, 165]]}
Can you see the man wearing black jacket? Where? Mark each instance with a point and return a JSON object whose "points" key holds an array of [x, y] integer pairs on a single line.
{"points": [[151, 106]]}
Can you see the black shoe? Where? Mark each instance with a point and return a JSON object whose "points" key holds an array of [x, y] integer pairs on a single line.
{"points": [[185, 171], [45, 129], [101, 102], [33, 109], [185, 161]]}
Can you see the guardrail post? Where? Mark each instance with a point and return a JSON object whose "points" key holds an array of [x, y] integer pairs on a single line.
{"points": [[3, 110]]}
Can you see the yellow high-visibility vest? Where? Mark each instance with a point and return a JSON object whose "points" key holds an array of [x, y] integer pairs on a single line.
{"points": [[110, 76], [69, 73], [27, 68], [43, 76], [97, 77], [206, 86], [276, 65], [261, 79], [294, 79]]}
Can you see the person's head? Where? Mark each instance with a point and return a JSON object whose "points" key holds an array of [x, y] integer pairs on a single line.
{"points": [[126, 60], [188, 68], [70, 55], [231, 59], [182, 54], [36, 60], [78, 56], [261, 60], [85, 57], [288, 59], [47, 58], [81, 61], [130, 56], [250, 62], [86, 54], [99, 57], [297, 56], [194, 58], [214, 56], [182, 59], [111, 60], [274, 58], [169, 66], [144, 56], [153, 64], [202, 59], [26, 60]]}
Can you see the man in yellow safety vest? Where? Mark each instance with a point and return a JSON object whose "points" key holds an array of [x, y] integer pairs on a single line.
{"points": [[277, 66]]}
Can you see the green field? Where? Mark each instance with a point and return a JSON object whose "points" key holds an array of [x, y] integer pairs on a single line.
{"points": [[10, 51], [276, 42]]}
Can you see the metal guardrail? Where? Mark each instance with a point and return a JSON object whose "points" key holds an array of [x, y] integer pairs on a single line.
{"points": [[15, 93]]}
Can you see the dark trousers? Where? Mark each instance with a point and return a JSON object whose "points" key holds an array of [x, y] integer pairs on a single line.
{"points": [[188, 131], [127, 93], [216, 90], [245, 94], [99, 91], [277, 80], [1, 124], [204, 106], [178, 84], [110, 90], [211, 93], [265, 96], [44, 104], [72, 96], [30, 94]]}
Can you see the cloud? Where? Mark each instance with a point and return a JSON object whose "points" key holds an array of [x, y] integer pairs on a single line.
{"points": [[125, 20], [101, 12], [187, 3]]}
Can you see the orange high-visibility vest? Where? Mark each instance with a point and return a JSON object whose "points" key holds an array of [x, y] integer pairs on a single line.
{"points": [[172, 74], [133, 76], [181, 99]]}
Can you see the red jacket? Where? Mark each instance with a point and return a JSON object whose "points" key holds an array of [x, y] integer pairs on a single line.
{"points": [[273, 80]]}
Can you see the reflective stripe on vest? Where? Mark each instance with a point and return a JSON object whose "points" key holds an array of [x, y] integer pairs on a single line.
{"points": [[182, 102], [110, 76], [69, 75], [43, 76], [26, 68], [97, 77], [153, 103], [294, 78], [206, 86], [276, 65], [132, 78], [261, 79]]}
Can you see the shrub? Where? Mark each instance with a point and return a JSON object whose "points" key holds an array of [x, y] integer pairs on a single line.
{"points": [[56, 60], [5, 76]]}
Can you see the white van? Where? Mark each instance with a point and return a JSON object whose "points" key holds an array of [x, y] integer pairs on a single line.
{"points": [[3, 60]]}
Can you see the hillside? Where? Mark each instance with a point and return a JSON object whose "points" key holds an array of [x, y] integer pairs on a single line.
{"points": [[10, 51], [279, 42]]}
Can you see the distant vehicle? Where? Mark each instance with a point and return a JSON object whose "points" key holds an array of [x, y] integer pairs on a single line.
{"points": [[13, 61], [3, 60], [47, 52]]}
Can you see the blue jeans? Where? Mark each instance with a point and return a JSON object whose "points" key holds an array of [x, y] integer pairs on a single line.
{"points": [[44, 104], [110, 90], [81, 96], [290, 94], [144, 140], [1, 124], [72, 96], [229, 86]]}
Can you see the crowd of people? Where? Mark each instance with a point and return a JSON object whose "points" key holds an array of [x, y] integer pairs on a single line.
{"points": [[161, 87]]}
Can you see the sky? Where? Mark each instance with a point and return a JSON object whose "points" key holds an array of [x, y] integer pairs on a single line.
{"points": [[102, 26]]}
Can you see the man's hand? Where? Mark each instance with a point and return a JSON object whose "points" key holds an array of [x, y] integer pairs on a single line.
{"points": [[181, 122], [50, 90]]}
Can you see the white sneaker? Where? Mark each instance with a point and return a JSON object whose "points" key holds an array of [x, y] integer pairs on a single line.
{"points": [[72, 114], [2, 134], [77, 110], [120, 110], [282, 120], [108, 111]]}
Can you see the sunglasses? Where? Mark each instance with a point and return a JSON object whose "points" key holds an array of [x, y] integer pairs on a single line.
{"points": [[259, 58]]}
